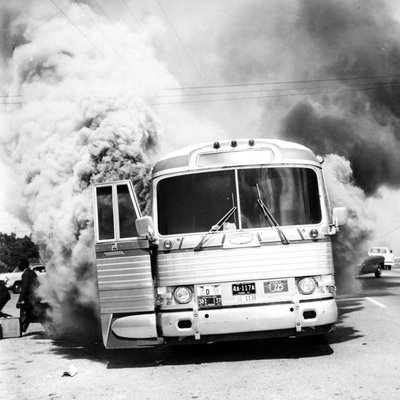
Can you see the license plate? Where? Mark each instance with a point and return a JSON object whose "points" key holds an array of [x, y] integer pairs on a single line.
{"points": [[276, 286], [245, 299], [208, 290], [209, 301], [209, 296], [239, 289]]}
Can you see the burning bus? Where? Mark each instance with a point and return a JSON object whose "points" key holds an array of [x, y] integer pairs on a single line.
{"points": [[237, 246]]}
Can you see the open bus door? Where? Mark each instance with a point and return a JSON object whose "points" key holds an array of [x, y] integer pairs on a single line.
{"points": [[125, 283]]}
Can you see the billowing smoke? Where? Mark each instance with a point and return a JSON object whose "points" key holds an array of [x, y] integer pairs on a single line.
{"points": [[80, 120], [337, 63], [359, 120]]}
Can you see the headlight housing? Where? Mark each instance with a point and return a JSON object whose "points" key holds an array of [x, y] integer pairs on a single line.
{"points": [[183, 295], [306, 285]]}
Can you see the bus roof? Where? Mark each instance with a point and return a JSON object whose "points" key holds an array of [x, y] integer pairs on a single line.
{"points": [[227, 153]]}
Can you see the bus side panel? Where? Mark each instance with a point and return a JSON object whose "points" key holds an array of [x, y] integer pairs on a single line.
{"points": [[126, 290]]}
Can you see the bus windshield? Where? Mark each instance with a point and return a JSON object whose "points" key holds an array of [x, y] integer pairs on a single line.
{"points": [[195, 202]]}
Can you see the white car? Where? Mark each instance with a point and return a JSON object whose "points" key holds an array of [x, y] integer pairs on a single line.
{"points": [[13, 280], [384, 252]]}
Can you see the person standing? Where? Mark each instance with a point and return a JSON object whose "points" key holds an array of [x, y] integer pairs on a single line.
{"points": [[28, 302], [4, 297]]}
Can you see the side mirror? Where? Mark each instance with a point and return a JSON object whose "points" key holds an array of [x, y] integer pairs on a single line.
{"points": [[339, 216], [145, 227]]}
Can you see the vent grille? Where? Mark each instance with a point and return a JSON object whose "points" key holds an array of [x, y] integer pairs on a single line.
{"points": [[114, 253]]}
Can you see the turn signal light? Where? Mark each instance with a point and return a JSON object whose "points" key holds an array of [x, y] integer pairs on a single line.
{"points": [[183, 295]]}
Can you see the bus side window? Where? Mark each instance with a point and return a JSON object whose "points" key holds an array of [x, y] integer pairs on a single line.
{"points": [[105, 213], [127, 214]]}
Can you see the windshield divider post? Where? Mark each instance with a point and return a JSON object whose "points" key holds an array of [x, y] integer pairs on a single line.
{"points": [[238, 200]]}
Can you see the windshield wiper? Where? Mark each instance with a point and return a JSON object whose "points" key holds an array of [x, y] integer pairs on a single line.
{"points": [[270, 218], [215, 228]]}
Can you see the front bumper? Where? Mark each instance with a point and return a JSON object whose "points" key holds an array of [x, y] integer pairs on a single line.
{"points": [[289, 316]]}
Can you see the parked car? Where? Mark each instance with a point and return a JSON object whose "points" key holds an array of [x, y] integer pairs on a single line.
{"points": [[384, 252], [13, 280], [372, 265]]}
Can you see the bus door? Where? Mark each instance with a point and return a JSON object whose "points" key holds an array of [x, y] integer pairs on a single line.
{"points": [[125, 283]]}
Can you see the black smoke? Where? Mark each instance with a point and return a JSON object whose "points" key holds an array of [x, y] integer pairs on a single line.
{"points": [[359, 40], [374, 156]]}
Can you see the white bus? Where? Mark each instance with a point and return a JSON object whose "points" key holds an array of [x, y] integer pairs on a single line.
{"points": [[237, 246]]}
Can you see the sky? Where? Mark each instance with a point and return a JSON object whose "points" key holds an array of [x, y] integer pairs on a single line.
{"points": [[209, 70]]}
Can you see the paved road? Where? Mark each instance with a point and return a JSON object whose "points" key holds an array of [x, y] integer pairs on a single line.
{"points": [[359, 361]]}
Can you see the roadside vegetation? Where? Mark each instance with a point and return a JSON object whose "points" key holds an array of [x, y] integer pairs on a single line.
{"points": [[12, 248]]}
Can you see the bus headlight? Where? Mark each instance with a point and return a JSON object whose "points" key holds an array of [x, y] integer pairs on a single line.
{"points": [[182, 295], [306, 285]]}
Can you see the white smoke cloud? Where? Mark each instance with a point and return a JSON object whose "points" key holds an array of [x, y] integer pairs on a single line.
{"points": [[82, 120]]}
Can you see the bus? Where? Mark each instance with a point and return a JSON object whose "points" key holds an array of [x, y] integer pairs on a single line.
{"points": [[237, 246]]}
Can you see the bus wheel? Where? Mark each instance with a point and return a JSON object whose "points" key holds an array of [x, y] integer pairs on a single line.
{"points": [[378, 272]]}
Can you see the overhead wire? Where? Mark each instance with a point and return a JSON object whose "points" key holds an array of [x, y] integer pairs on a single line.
{"points": [[211, 93], [76, 27], [388, 233], [319, 80], [102, 11], [276, 94], [108, 40], [180, 41], [132, 14]]}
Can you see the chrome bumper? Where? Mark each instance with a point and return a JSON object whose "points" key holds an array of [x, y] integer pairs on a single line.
{"points": [[290, 315]]}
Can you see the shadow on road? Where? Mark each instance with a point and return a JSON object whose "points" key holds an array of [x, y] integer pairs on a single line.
{"points": [[262, 349], [342, 332], [195, 354]]}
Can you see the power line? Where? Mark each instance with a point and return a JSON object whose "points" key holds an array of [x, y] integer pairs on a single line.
{"points": [[108, 40], [371, 85], [266, 96], [102, 11], [132, 14], [388, 233], [77, 28], [320, 80], [180, 41]]}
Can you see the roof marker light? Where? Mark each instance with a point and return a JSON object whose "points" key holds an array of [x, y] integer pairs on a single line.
{"points": [[216, 145], [251, 142], [233, 143]]}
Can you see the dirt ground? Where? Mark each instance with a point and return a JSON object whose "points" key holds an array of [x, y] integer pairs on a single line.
{"points": [[359, 361]]}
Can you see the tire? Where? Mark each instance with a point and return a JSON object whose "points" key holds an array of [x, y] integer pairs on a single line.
{"points": [[378, 272], [17, 287]]}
